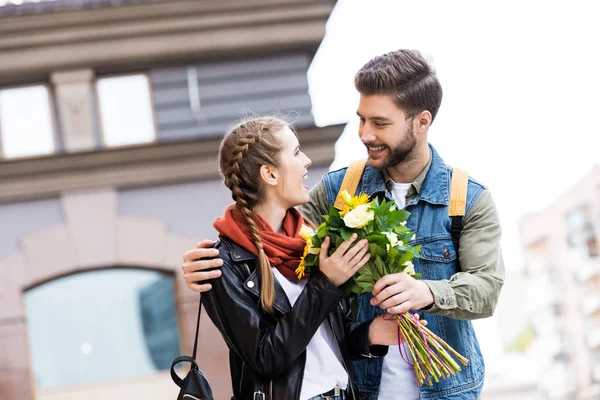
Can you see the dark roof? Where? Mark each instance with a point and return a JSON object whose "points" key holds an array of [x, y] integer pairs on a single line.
{"points": [[8, 8]]}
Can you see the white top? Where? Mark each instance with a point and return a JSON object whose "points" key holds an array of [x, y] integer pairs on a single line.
{"points": [[324, 369], [397, 376]]}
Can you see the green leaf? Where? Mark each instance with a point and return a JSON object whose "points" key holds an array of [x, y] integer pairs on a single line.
{"points": [[365, 286], [392, 255], [350, 288], [311, 259], [323, 231], [381, 269], [315, 241], [338, 240], [376, 250], [346, 233], [379, 239]]}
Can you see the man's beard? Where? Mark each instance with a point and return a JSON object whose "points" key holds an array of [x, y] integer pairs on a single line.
{"points": [[399, 153]]}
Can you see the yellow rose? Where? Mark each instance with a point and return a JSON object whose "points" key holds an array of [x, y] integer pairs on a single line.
{"points": [[346, 197], [359, 217]]}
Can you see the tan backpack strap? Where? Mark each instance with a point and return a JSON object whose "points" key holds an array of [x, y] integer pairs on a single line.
{"points": [[350, 182], [458, 193]]}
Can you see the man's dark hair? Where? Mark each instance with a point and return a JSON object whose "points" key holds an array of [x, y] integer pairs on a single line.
{"points": [[406, 76]]}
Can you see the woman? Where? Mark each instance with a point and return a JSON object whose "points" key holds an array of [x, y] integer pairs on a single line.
{"points": [[288, 339]]}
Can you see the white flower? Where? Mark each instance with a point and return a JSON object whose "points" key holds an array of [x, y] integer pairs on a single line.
{"points": [[413, 237], [392, 237], [409, 268], [306, 232], [359, 217]]}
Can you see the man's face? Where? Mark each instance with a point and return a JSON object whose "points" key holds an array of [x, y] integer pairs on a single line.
{"points": [[385, 130]]}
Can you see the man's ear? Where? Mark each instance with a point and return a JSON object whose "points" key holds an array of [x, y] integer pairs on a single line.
{"points": [[269, 175], [423, 120]]}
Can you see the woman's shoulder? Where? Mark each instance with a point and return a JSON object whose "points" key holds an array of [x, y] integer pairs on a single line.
{"points": [[232, 254]]}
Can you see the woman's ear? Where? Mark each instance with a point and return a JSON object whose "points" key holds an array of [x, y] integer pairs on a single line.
{"points": [[269, 175]]}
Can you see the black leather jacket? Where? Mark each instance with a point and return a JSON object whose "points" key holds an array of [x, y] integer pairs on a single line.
{"points": [[267, 352]]}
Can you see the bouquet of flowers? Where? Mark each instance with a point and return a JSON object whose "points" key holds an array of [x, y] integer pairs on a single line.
{"points": [[384, 226]]}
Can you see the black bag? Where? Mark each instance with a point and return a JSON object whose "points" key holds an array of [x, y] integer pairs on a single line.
{"points": [[194, 386]]}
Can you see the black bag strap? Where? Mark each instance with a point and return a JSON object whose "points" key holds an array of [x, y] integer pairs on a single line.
{"points": [[192, 359], [197, 329]]}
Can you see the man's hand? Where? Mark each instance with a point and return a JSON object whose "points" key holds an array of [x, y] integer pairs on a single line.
{"points": [[384, 330], [399, 293], [194, 266]]}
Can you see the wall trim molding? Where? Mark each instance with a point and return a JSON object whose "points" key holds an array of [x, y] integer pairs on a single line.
{"points": [[179, 30], [139, 166]]}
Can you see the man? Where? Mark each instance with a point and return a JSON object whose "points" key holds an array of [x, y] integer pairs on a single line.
{"points": [[399, 99]]}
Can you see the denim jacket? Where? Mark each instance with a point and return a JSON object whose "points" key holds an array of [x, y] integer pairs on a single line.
{"points": [[429, 219]]}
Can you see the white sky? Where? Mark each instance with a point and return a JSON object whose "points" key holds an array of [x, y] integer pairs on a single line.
{"points": [[520, 110], [521, 84]]}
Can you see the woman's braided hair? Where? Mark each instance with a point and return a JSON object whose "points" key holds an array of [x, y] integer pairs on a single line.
{"points": [[246, 147]]}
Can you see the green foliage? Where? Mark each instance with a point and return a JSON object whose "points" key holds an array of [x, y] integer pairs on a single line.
{"points": [[386, 222]]}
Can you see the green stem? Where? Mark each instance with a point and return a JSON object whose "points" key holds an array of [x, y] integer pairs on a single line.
{"points": [[439, 340]]}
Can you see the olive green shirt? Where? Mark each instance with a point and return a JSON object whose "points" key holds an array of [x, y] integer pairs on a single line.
{"points": [[471, 293]]}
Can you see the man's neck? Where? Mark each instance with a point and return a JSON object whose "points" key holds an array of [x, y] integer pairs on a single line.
{"points": [[407, 171]]}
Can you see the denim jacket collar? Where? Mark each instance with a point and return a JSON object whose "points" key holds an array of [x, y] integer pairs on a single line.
{"points": [[435, 188]]}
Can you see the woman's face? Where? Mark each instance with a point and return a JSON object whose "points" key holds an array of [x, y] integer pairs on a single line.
{"points": [[292, 170]]}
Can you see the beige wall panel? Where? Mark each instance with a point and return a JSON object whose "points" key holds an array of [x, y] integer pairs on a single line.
{"points": [[91, 218], [14, 350], [74, 95], [14, 275], [156, 387], [16, 384], [141, 241], [49, 252], [176, 246]]}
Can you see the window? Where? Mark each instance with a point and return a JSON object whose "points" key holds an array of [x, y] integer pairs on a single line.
{"points": [[126, 114], [101, 325], [580, 231], [26, 125]]}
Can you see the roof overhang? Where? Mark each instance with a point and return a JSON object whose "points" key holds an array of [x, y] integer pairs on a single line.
{"points": [[130, 36]]}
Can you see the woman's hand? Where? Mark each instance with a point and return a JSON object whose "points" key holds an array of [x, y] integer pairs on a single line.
{"points": [[384, 330], [345, 261]]}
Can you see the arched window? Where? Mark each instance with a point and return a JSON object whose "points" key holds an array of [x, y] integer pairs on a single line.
{"points": [[101, 325]]}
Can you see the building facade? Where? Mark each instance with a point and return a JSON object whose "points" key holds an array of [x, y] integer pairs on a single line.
{"points": [[111, 113], [562, 258]]}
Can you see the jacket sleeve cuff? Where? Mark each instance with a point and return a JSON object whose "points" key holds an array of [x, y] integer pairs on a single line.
{"points": [[443, 296], [358, 343], [326, 287]]}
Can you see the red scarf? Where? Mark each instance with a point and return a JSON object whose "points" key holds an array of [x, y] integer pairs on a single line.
{"points": [[284, 250]]}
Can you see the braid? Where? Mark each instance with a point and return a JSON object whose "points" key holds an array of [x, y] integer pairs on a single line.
{"points": [[244, 200]]}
